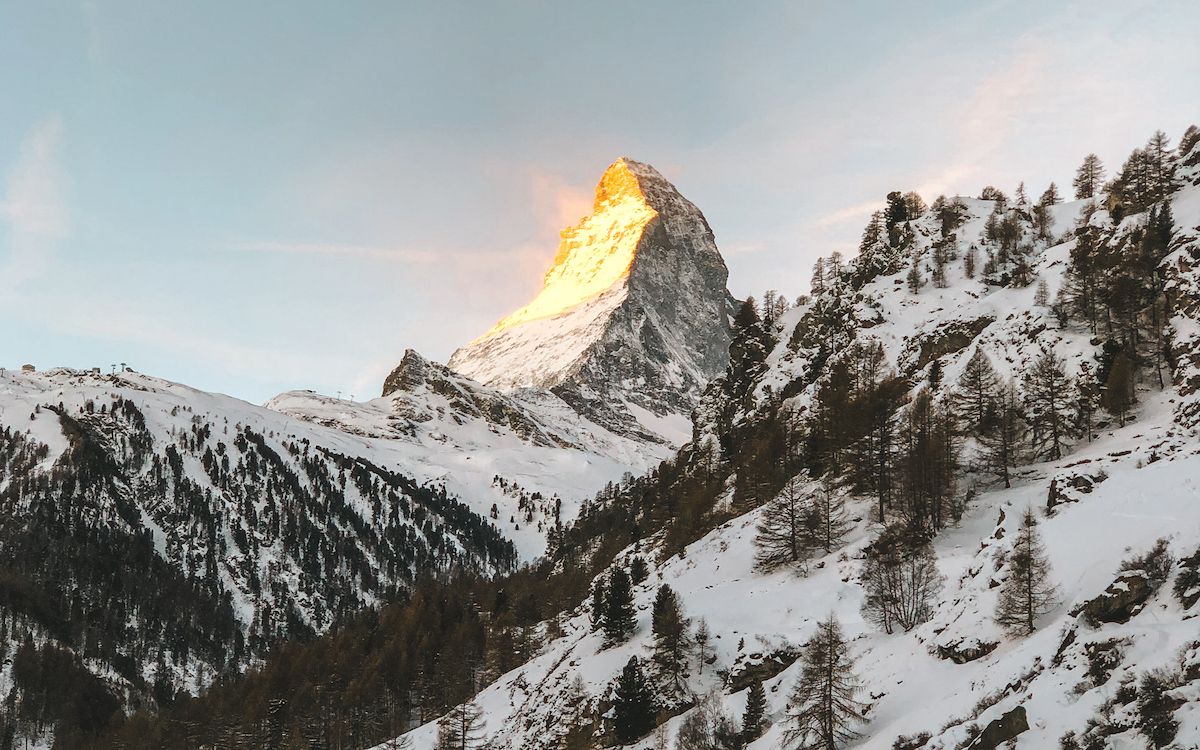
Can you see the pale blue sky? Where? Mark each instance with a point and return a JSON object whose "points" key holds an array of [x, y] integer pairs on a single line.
{"points": [[253, 197]]}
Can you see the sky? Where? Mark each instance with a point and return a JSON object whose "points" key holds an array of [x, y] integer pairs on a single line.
{"points": [[258, 197]]}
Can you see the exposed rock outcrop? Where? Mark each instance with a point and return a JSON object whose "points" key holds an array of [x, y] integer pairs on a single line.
{"points": [[1001, 730], [1124, 598]]}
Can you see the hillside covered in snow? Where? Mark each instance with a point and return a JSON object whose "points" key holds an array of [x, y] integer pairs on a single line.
{"points": [[946, 500], [982, 433]]}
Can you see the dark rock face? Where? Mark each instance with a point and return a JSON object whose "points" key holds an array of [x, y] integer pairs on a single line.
{"points": [[961, 652], [1067, 488], [948, 339], [1187, 584], [1001, 730], [757, 667], [1123, 599], [407, 375], [468, 399]]}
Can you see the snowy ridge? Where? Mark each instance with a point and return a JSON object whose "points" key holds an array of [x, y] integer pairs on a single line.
{"points": [[445, 429]]}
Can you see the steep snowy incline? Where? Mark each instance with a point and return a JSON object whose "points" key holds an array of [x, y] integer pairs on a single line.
{"points": [[1124, 484], [909, 688], [632, 316]]}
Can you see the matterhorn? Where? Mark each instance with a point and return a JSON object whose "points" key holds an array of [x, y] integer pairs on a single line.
{"points": [[632, 318]]}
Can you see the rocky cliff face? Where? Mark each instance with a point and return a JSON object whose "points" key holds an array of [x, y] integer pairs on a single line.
{"points": [[632, 320]]}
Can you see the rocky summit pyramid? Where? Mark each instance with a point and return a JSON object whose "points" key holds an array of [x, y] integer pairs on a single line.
{"points": [[632, 318]]}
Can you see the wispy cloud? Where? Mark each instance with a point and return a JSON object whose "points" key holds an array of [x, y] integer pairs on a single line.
{"points": [[130, 329], [993, 114], [33, 207], [556, 203], [849, 213], [340, 250]]}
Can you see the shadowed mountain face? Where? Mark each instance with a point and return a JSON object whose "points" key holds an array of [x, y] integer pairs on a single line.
{"points": [[632, 320]]}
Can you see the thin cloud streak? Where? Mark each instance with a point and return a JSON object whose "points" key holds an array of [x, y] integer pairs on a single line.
{"points": [[843, 215], [337, 250], [34, 207]]}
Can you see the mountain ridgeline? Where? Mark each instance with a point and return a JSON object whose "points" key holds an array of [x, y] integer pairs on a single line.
{"points": [[893, 523], [632, 317]]}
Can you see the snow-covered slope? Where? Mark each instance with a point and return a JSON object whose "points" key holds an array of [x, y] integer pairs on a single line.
{"points": [[195, 530], [630, 323], [910, 689], [1108, 500], [448, 430]]}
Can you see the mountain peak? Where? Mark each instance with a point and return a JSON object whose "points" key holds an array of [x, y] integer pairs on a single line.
{"points": [[624, 179], [634, 306]]}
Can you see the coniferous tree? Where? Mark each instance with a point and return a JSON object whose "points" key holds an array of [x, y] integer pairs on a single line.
{"points": [[970, 261], [857, 420], [1087, 394], [876, 256], [991, 193], [1189, 155], [914, 279], [1132, 190], [826, 517], [1081, 285], [914, 205], [1089, 178], [619, 615], [817, 282], [951, 215], [941, 251], [1002, 436], [1155, 245], [1049, 403], [1027, 593], [895, 216], [702, 639], [927, 463], [976, 391], [782, 536], [901, 580], [634, 704], [1118, 388], [1050, 197], [461, 729], [638, 570], [578, 723], [1041, 296], [824, 711], [599, 604], [671, 643], [1160, 166], [756, 712]]}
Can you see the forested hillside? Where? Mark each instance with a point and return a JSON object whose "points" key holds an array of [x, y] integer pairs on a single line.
{"points": [[150, 547], [945, 500]]}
